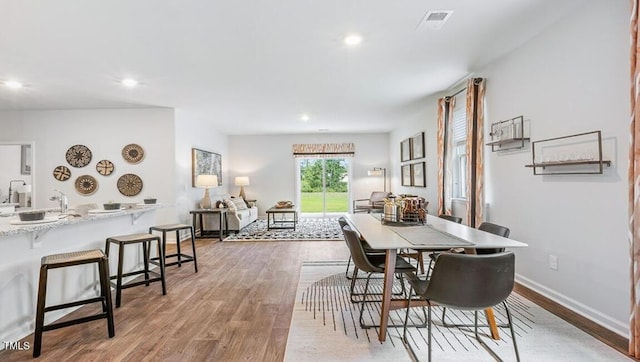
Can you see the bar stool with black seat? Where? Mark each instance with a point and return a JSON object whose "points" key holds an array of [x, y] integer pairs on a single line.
{"points": [[145, 240], [65, 260], [180, 257]]}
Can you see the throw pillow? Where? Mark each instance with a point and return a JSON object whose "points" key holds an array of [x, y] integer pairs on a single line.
{"points": [[230, 205], [239, 203]]}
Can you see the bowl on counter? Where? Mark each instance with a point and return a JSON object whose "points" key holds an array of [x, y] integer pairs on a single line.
{"points": [[31, 215], [111, 206]]}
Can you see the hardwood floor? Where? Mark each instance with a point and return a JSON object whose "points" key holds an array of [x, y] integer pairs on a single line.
{"points": [[237, 307]]}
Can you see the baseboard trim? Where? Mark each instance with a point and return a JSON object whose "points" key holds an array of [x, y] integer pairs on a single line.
{"points": [[612, 339]]}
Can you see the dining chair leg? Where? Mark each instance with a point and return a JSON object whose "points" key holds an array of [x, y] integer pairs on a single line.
{"points": [[486, 347], [405, 341], [346, 272]]}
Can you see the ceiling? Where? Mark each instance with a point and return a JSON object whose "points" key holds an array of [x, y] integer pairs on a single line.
{"points": [[254, 67]]}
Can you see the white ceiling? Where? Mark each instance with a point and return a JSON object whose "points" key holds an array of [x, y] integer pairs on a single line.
{"points": [[251, 66]]}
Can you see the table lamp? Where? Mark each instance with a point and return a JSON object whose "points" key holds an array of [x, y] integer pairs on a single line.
{"points": [[206, 182], [242, 181]]}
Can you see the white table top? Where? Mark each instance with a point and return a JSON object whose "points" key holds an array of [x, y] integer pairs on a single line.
{"points": [[438, 233]]}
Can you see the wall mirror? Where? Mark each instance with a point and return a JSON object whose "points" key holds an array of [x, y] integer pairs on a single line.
{"points": [[17, 174]]}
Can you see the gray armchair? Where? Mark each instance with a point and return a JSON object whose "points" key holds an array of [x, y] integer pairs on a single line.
{"points": [[375, 203]]}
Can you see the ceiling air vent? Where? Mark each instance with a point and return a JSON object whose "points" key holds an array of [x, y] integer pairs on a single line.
{"points": [[434, 19]]}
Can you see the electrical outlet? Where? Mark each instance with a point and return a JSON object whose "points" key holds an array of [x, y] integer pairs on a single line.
{"points": [[553, 262]]}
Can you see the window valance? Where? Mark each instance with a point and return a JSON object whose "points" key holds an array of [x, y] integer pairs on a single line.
{"points": [[323, 150]]}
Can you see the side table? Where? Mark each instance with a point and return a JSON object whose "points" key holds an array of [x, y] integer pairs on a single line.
{"points": [[222, 216]]}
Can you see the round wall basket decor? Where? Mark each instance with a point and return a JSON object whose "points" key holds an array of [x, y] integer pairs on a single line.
{"points": [[105, 167], [129, 184], [133, 153], [78, 156], [86, 185], [61, 173]]}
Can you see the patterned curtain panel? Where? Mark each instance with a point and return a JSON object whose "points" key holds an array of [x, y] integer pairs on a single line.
{"points": [[445, 152], [475, 155], [319, 150], [634, 186]]}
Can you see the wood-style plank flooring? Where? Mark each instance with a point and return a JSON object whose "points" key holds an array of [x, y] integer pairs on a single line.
{"points": [[237, 307]]}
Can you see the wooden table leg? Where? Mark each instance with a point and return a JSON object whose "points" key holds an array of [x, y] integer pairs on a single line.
{"points": [[387, 289]]}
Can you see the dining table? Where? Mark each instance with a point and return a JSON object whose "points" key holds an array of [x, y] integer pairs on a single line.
{"points": [[433, 235]]}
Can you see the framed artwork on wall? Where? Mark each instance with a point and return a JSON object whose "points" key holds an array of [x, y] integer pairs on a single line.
{"points": [[418, 178], [406, 175], [417, 146], [405, 150], [205, 163]]}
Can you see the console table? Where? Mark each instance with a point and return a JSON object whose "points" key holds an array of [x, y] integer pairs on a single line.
{"points": [[284, 222], [222, 216]]}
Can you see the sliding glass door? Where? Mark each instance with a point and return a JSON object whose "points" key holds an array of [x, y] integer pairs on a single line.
{"points": [[323, 185]]}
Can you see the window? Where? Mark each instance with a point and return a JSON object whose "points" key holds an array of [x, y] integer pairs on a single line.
{"points": [[459, 159]]}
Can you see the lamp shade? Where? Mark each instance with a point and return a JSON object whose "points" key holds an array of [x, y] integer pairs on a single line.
{"points": [[207, 181], [375, 172], [242, 181]]}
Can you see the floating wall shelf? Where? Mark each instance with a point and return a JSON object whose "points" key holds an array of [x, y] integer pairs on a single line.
{"points": [[569, 155], [507, 135]]}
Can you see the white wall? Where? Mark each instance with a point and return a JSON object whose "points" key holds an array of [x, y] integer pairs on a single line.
{"points": [[424, 119], [199, 134], [269, 163], [105, 132], [571, 78]]}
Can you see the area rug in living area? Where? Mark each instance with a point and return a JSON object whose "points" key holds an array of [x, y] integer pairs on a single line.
{"points": [[308, 228], [325, 327]]}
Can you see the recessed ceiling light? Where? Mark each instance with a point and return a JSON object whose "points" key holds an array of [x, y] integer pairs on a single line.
{"points": [[353, 39], [13, 84], [304, 117], [129, 82]]}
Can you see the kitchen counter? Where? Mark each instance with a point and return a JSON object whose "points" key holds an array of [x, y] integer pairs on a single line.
{"points": [[23, 246], [11, 225]]}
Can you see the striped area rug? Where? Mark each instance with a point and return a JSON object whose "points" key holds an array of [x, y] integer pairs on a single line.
{"points": [[325, 327]]}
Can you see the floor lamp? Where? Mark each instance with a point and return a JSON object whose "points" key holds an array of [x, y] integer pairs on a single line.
{"points": [[206, 182], [379, 171]]}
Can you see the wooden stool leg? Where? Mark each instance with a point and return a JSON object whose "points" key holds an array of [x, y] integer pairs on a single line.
{"points": [[193, 247], [178, 251], [161, 259], [103, 266], [119, 278], [145, 257], [42, 295]]}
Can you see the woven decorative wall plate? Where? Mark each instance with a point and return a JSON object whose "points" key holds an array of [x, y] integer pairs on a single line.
{"points": [[86, 185], [129, 184], [78, 155], [61, 173], [105, 167], [133, 153]]}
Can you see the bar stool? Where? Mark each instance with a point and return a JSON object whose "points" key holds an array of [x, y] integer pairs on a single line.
{"points": [[145, 240], [64, 260], [180, 258]]}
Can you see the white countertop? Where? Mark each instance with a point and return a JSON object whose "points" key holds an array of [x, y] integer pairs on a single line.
{"points": [[7, 227]]}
